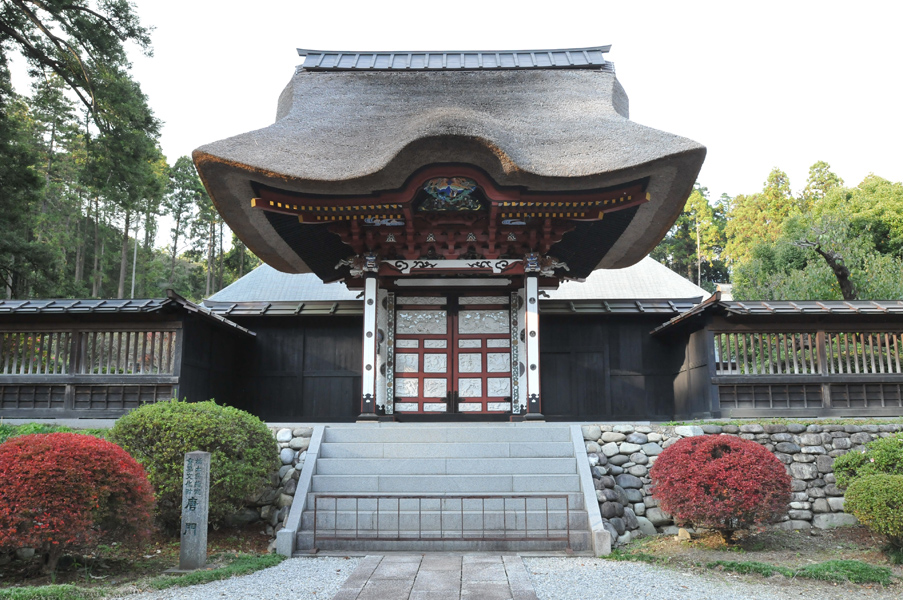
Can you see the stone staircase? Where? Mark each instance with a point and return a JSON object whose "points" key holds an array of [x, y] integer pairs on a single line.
{"points": [[505, 471]]}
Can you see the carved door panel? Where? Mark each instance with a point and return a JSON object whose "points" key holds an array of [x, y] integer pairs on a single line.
{"points": [[452, 356], [423, 377], [483, 354]]}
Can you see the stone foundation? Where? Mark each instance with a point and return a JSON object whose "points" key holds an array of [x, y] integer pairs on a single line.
{"points": [[271, 505], [620, 457]]}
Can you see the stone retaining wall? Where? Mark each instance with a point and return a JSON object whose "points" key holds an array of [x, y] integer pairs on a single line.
{"points": [[272, 504], [620, 457]]}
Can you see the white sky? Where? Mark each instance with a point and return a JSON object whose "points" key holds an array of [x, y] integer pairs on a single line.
{"points": [[761, 84]]}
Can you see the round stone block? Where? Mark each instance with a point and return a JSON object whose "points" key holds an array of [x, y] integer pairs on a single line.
{"points": [[287, 455], [637, 438], [628, 481]]}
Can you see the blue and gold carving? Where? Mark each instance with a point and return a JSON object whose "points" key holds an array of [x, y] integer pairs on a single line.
{"points": [[447, 194]]}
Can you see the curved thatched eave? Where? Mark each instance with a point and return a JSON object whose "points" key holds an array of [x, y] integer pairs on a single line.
{"points": [[356, 133]]}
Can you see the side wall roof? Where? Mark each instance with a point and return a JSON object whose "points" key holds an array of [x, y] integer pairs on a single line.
{"points": [[644, 280]]}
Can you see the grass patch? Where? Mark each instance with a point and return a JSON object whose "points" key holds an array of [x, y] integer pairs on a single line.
{"points": [[894, 555], [748, 567], [635, 557], [241, 564], [854, 571], [847, 570], [48, 592]]}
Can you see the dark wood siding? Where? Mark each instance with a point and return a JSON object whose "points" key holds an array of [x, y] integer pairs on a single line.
{"points": [[302, 368], [693, 392], [604, 367], [210, 359]]}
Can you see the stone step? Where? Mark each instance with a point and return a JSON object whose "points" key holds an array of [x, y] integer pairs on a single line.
{"points": [[447, 450], [580, 542], [447, 466], [513, 520], [434, 484], [394, 433], [452, 502]]}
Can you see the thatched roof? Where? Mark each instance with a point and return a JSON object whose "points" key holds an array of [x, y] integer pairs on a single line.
{"points": [[352, 132]]}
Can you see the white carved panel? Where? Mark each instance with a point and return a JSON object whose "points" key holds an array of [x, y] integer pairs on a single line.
{"points": [[470, 343], [470, 363], [421, 322], [435, 388], [435, 343], [434, 407], [470, 406], [502, 406], [498, 363], [407, 343], [498, 387], [382, 351], [406, 363], [506, 343], [439, 300], [406, 387], [435, 363], [483, 321], [406, 406], [470, 388], [465, 300]]}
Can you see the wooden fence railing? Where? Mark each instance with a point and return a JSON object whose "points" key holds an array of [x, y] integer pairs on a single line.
{"points": [[87, 371], [820, 372]]}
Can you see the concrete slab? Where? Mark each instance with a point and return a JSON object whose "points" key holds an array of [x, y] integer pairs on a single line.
{"points": [[547, 483], [485, 590], [445, 450], [396, 570], [386, 589], [440, 562], [382, 466], [491, 466], [541, 449], [434, 581], [484, 572], [440, 576]]}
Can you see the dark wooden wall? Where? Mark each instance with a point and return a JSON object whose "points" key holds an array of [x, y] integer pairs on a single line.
{"points": [[302, 368], [694, 395], [606, 367], [211, 356]]}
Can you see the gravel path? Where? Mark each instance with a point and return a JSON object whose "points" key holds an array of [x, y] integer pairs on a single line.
{"points": [[554, 578], [293, 579], [582, 578]]}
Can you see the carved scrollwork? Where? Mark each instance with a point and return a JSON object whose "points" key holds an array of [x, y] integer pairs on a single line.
{"points": [[480, 264]]}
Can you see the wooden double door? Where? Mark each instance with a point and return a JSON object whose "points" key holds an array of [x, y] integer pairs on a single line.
{"points": [[452, 354]]}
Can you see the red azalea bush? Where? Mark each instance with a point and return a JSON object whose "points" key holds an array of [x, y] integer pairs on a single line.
{"points": [[720, 482], [66, 492]]}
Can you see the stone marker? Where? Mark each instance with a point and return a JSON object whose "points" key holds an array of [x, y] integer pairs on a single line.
{"points": [[195, 505]]}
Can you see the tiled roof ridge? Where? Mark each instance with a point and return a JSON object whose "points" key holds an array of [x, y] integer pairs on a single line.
{"points": [[591, 57]]}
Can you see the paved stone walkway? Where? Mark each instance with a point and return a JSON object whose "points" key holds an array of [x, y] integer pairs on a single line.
{"points": [[439, 577]]}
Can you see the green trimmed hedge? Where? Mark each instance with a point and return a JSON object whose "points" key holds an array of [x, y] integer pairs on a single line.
{"points": [[884, 455], [877, 501], [243, 453]]}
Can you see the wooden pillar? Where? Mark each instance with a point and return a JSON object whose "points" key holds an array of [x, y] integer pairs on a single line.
{"points": [[821, 341], [713, 406], [368, 372], [534, 402]]}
